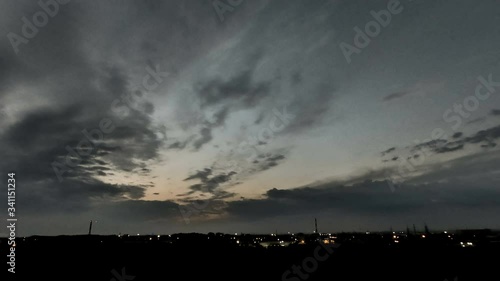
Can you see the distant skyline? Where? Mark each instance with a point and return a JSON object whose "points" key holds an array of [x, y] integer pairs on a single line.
{"points": [[251, 118]]}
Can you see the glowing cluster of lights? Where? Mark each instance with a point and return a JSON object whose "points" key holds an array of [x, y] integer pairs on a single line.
{"points": [[466, 244]]}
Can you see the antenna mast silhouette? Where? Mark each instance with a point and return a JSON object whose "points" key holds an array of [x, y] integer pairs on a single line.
{"points": [[316, 225], [90, 228]]}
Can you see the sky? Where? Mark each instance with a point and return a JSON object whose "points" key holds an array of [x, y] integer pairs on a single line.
{"points": [[250, 116]]}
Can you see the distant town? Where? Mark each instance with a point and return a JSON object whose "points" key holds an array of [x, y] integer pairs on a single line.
{"points": [[416, 254], [460, 238]]}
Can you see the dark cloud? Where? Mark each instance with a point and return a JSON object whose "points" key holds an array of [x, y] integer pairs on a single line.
{"points": [[209, 182], [488, 136], [215, 121], [485, 138], [495, 112], [219, 117], [100, 162], [432, 144], [489, 145], [46, 133], [371, 198], [178, 145], [222, 96], [98, 168], [205, 137], [140, 210], [268, 165], [275, 158], [202, 175], [444, 188], [395, 95], [240, 90], [439, 146], [50, 197], [76, 92], [476, 120], [388, 151], [450, 147], [471, 170], [394, 158], [267, 161]]}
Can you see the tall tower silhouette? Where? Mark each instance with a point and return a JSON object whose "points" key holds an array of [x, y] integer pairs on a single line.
{"points": [[316, 226], [90, 228]]}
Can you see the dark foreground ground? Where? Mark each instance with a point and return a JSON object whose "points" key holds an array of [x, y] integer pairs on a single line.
{"points": [[199, 258]]}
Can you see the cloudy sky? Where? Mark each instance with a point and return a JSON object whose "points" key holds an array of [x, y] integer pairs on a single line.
{"points": [[250, 116]]}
